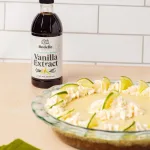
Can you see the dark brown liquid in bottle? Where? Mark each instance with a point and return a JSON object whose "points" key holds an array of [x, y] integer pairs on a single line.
{"points": [[46, 25]]}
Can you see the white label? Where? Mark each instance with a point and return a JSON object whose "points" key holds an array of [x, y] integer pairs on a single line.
{"points": [[46, 57]]}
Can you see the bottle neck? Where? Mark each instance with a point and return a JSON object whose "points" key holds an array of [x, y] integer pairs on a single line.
{"points": [[46, 8]]}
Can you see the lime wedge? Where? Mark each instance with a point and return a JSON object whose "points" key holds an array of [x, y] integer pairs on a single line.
{"points": [[85, 82], [142, 86], [125, 82], [61, 94], [109, 99], [93, 121], [66, 114], [105, 83], [56, 104], [69, 85], [129, 127]]}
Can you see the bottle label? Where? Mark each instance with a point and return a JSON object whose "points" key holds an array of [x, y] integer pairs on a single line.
{"points": [[46, 57]]}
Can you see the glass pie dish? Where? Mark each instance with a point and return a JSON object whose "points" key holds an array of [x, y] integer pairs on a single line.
{"points": [[89, 139]]}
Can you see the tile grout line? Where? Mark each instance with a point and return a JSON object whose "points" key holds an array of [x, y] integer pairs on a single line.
{"points": [[73, 61], [14, 59], [54, 3], [118, 34], [104, 62], [142, 59], [144, 2], [78, 4], [101, 4], [98, 19], [96, 63], [17, 30], [4, 14], [127, 34], [121, 34]]}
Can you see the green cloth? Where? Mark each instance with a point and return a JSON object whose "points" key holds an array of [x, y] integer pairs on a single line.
{"points": [[18, 145]]}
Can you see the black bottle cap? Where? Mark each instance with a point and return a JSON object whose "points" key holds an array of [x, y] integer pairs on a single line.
{"points": [[46, 1]]}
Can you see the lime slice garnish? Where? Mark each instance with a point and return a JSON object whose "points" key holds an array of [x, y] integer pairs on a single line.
{"points": [[61, 94], [129, 127], [142, 86], [85, 82], [105, 83], [56, 104], [109, 99], [92, 122], [69, 85], [66, 114], [125, 82]]}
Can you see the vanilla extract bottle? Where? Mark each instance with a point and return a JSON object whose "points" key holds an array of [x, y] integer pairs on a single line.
{"points": [[46, 46]]}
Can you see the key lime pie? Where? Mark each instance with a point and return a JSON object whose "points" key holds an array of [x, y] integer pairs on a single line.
{"points": [[101, 115]]}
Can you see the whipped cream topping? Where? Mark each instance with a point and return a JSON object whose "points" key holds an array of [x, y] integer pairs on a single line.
{"points": [[74, 119], [81, 92], [146, 92], [52, 109], [111, 127], [133, 90], [141, 127], [51, 101], [83, 123], [56, 111], [121, 109], [98, 86], [96, 106], [115, 127], [114, 86]]}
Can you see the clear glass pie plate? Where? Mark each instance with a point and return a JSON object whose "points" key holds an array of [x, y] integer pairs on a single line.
{"points": [[89, 139]]}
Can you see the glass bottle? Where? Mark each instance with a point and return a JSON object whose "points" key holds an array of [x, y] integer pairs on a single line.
{"points": [[46, 46]]}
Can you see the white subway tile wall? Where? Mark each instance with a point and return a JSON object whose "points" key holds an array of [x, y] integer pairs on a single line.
{"points": [[106, 2], [146, 49], [126, 20], [103, 2], [72, 20], [102, 48], [15, 45], [19, 16], [16, 61], [95, 31], [148, 2], [78, 18], [1, 16]]}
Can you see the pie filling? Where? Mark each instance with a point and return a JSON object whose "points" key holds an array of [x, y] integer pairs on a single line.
{"points": [[118, 106]]}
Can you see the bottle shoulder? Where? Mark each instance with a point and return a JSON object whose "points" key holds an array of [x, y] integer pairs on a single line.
{"points": [[47, 24]]}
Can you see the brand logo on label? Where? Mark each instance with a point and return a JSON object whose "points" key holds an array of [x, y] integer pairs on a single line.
{"points": [[45, 41], [45, 44]]}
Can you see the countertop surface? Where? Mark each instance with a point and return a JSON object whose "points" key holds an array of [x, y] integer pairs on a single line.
{"points": [[17, 93]]}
